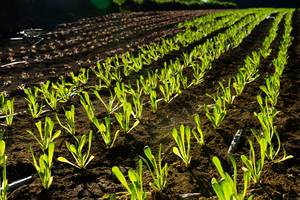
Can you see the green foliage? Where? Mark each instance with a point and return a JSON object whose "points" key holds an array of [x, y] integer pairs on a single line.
{"points": [[81, 79], [103, 73], [227, 95], [218, 112], [46, 134], [150, 83], [34, 107], [2, 100], [198, 72], [49, 94], [70, 121], [105, 131], [266, 118], [239, 82], [159, 172], [250, 68], [137, 100], [226, 188], [63, 90], [253, 166], [121, 92], [199, 134], [169, 87], [271, 89], [124, 117], [82, 158], [87, 105], [44, 166], [183, 142], [135, 188], [131, 63], [112, 104], [9, 111], [153, 101], [170, 81], [268, 130]]}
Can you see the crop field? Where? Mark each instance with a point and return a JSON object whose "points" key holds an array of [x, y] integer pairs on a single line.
{"points": [[200, 104]]}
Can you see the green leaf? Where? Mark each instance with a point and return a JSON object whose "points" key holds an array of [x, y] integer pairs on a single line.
{"points": [[218, 189], [218, 165], [116, 171], [2, 148], [176, 151], [64, 160]]}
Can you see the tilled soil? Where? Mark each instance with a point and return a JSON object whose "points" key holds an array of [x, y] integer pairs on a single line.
{"points": [[279, 181], [82, 43]]}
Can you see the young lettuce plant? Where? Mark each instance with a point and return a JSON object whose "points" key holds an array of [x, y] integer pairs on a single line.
{"points": [[187, 60], [226, 188], [3, 179], [218, 114], [150, 83], [124, 117], [159, 172], [49, 94], [266, 118], [271, 89], [63, 90], [253, 166], [198, 73], [46, 135], [137, 63], [227, 95], [138, 106], [149, 53], [135, 188], [105, 131], [82, 158], [183, 79], [199, 134], [127, 63], [120, 92], [44, 166], [116, 61], [9, 111], [239, 82], [103, 73], [112, 104], [170, 87], [34, 107], [250, 69], [87, 105], [153, 101], [268, 130], [82, 77], [116, 75], [183, 142], [137, 101], [70, 121]]}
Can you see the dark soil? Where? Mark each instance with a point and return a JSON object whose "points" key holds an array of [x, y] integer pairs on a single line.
{"points": [[279, 181], [82, 43]]}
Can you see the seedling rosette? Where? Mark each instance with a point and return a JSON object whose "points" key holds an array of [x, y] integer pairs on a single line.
{"points": [[183, 142], [82, 158], [135, 188]]}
